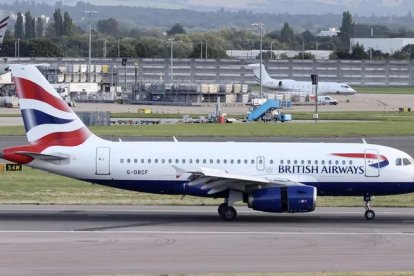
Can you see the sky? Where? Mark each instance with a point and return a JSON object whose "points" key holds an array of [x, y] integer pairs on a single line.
{"points": [[360, 7]]}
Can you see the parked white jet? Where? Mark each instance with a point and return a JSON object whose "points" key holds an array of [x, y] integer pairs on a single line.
{"points": [[292, 86], [3, 27], [269, 177]]}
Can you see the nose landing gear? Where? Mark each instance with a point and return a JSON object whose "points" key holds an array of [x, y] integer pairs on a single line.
{"points": [[369, 214]]}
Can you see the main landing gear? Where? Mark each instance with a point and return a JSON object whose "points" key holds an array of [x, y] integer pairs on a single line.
{"points": [[226, 209], [227, 212], [369, 214]]}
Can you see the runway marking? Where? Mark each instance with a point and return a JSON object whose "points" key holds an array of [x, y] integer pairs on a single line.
{"points": [[207, 233]]}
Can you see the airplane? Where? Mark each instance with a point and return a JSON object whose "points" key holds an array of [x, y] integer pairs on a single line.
{"points": [[269, 177], [3, 26], [305, 87]]}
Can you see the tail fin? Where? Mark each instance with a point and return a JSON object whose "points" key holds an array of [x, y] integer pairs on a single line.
{"points": [[3, 27], [256, 70], [48, 120]]}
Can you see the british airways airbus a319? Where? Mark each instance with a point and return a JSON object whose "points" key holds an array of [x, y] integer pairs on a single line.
{"points": [[268, 177]]}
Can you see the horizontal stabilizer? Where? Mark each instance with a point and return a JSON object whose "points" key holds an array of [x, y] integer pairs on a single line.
{"points": [[44, 157]]}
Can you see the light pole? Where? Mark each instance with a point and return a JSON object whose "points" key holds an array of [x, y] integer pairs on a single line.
{"points": [[18, 47], [90, 42], [104, 48], [171, 58], [260, 25], [15, 48], [118, 48], [206, 46], [271, 50], [201, 49]]}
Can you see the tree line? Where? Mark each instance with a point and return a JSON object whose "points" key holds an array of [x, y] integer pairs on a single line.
{"points": [[61, 37]]}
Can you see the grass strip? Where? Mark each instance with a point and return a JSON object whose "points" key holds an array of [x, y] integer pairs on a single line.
{"points": [[331, 129]]}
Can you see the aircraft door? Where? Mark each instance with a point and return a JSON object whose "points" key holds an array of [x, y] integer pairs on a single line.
{"points": [[372, 163], [103, 155], [260, 163]]}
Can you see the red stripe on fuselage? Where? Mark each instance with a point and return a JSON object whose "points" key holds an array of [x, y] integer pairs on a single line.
{"points": [[361, 155], [27, 89], [63, 139]]}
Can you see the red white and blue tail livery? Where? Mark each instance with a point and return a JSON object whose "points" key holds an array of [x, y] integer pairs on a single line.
{"points": [[269, 177], [3, 27]]}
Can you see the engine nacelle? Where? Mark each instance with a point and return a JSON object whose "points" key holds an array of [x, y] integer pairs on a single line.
{"points": [[292, 199]]}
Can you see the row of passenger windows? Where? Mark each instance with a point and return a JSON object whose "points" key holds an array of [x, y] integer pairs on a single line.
{"points": [[234, 161]]}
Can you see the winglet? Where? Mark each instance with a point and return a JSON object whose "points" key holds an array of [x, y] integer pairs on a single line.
{"points": [[179, 171]]}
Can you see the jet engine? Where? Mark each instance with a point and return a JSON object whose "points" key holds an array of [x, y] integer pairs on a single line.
{"points": [[292, 199]]}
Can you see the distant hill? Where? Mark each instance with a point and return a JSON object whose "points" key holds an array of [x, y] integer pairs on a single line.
{"points": [[361, 7], [207, 17]]}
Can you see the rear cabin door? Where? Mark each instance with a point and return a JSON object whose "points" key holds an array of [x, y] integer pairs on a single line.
{"points": [[103, 155], [260, 163], [372, 163]]}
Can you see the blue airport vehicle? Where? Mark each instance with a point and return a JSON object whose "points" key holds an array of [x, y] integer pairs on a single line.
{"points": [[264, 112]]}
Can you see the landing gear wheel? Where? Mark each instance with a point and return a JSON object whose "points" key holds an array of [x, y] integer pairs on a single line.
{"points": [[369, 214], [228, 213], [221, 206]]}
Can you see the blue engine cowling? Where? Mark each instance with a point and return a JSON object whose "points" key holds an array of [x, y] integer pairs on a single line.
{"points": [[293, 199]]}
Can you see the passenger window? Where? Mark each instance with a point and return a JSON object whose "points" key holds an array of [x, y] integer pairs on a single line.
{"points": [[260, 161], [245, 161], [350, 162], [225, 161], [163, 161], [197, 161], [183, 161], [177, 161], [135, 160], [343, 162], [232, 161], [156, 161], [211, 161], [302, 162], [238, 161], [295, 162], [122, 161], [336, 162], [309, 162], [323, 162], [252, 161], [169, 161], [204, 161], [142, 161], [218, 161], [330, 162], [271, 161], [288, 162], [281, 162], [129, 160], [149, 161], [398, 162], [316, 162]]}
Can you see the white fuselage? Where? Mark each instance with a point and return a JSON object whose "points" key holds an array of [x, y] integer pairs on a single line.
{"points": [[304, 87], [131, 164]]}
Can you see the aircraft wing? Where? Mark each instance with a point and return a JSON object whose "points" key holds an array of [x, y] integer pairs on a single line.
{"points": [[216, 180]]}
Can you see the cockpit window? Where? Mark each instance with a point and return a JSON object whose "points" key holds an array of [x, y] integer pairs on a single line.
{"points": [[398, 162], [344, 86], [403, 162]]}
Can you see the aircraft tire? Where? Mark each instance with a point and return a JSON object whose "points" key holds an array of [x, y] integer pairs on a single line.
{"points": [[369, 214], [220, 207], [228, 213]]}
